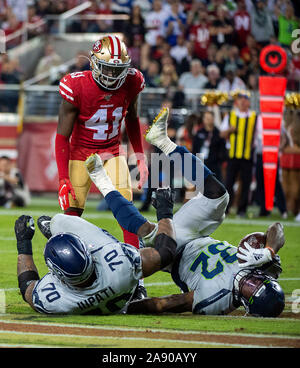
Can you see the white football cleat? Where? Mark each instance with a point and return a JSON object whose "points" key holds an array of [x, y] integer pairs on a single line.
{"points": [[158, 130], [157, 133], [93, 163], [98, 174]]}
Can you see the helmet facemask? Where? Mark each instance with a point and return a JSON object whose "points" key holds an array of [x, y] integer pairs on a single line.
{"points": [[250, 290], [110, 75]]}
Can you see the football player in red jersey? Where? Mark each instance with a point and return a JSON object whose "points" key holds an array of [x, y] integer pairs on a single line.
{"points": [[94, 105]]}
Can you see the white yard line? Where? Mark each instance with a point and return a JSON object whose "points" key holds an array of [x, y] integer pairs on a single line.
{"points": [[188, 342], [127, 329], [108, 215]]}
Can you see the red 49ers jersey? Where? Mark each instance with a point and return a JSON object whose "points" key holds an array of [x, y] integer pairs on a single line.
{"points": [[100, 112]]}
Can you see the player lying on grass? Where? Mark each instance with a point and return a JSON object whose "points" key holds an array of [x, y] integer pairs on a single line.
{"points": [[90, 270], [209, 272], [206, 269]]}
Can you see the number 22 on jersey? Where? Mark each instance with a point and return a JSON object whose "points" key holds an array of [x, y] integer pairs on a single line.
{"points": [[106, 123]]}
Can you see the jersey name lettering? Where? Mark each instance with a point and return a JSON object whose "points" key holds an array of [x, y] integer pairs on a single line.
{"points": [[100, 296]]}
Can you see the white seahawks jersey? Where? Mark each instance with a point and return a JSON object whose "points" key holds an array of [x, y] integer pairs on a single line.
{"points": [[207, 266], [203, 264], [118, 268]]}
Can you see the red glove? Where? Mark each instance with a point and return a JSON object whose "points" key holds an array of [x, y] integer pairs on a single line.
{"points": [[65, 187], [143, 170]]}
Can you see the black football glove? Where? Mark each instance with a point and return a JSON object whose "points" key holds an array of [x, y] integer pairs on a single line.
{"points": [[24, 230], [163, 201]]}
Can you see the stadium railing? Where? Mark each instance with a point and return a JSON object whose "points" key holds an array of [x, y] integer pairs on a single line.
{"points": [[42, 101]]}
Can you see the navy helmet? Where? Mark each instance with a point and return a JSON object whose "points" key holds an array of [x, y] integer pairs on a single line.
{"points": [[260, 294], [67, 257]]}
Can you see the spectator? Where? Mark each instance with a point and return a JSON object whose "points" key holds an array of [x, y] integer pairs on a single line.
{"points": [[221, 29], [250, 45], [35, 24], [211, 55], [262, 27], [287, 22], [136, 24], [194, 79], [242, 24], [134, 50], [13, 190], [207, 142], [154, 23], [233, 58], [168, 76], [199, 33], [43, 7], [19, 8], [151, 74], [122, 6], [175, 23], [213, 75], [10, 26], [253, 67], [231, 82], [241, 149], [290, 163], [180, 50], [10, 74], [105, 8], [50, 60], [186, 133], [252, 82], [293, 76], [184, 65], [95, 25], [82, 62]]}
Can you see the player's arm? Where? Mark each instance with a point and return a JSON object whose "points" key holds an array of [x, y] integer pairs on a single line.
{"points": [[133, 128], [177, 303], [164, 248], [66, 119], [27, 272], [275, 237]]}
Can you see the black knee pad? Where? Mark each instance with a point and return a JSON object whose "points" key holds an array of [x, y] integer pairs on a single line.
{"points": [[166, 247], [24, 279]]}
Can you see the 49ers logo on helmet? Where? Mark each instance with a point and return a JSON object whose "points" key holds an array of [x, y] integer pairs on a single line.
{"points": [[97, 46]]}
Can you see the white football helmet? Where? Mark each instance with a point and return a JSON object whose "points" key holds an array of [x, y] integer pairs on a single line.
{"points": [[110, 62]]}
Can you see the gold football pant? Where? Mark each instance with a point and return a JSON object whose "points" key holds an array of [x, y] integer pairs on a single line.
{"points": [[116, 169]]}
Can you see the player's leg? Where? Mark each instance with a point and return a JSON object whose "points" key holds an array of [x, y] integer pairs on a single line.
{"points": [[81, 183], [246, 177], [204, 213], [119, 174], [232, 172]]}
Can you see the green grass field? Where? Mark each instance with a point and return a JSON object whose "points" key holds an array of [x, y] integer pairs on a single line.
{"points": [[14, 309]]}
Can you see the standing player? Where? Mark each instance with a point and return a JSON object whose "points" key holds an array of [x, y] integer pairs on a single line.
{"points": [[94, 105]]}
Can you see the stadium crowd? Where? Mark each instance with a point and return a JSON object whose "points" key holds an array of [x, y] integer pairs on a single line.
{"points": [[206, 44], [225, 36]]}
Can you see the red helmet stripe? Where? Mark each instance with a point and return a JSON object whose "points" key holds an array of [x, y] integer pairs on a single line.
{"points": [[115, 47], [119, 47], [112, 46]]}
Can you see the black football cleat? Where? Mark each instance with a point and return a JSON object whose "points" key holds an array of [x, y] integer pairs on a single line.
{"points": [[44, 226]]}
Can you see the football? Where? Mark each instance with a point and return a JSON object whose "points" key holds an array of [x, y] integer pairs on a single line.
{"points": [[255, 240]]}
